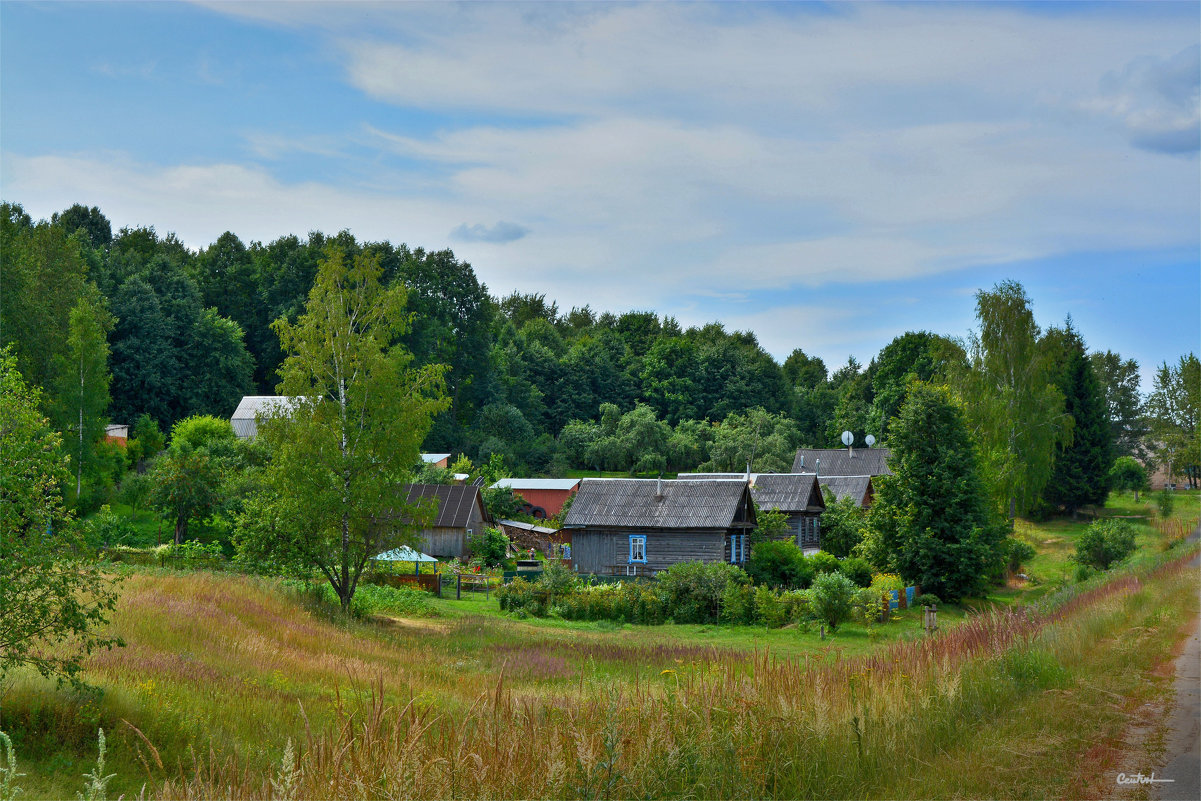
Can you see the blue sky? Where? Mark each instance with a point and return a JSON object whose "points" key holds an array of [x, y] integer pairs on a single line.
{"points": [[827, 176]]}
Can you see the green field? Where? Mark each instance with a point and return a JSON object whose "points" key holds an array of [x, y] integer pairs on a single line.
{"points": [[221, 671]]}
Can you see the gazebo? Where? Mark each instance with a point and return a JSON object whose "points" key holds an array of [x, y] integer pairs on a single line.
{"points": [[406, 554]]}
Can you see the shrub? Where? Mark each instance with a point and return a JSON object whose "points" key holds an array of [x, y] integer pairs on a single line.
{"points": [[491, 547], [557, 580], [927, 599], [867, 604], [738, 605], [1165, 502], [780, 564], [1018, 553], [692, 591], [107, 528], [857, 570], [768, 609], [1104, 543], [822, 562], [842, 525], [832, 597]]}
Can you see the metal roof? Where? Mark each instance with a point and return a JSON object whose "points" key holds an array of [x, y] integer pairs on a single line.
{"points": [[454, 502], [404, 554], [538, 483], [244, 417], [528, 527], [659, 503], [434, 458], [838, 462]]}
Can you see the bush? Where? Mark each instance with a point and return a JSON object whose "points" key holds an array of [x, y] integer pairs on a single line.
{"points": [[1165, 502], [1018, 553], [927, 599], [557, 579], [822, 562], [491, 547], [842, 526], [867, 604], [692, 591], [779, 564], [1104, 543], [832, 597], [107, 528], [857, 570]]}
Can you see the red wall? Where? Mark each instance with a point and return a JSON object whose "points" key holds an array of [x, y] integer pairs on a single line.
{"points": [[550, 500]]}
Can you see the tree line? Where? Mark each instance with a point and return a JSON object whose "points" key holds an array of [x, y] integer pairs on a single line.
{"points": [[136, 328]]}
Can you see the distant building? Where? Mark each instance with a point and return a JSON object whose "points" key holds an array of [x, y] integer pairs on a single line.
{"points": [[637, 527], [842, 461], [244, 419], [460, 515], [116, 434], [543, 497], [436, 459]]}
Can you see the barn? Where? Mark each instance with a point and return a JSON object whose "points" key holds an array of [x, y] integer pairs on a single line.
{"points": [[637, 527], [542, 497]]}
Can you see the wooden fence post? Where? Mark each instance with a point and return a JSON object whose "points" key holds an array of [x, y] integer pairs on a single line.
{"points": [[458, 586]]}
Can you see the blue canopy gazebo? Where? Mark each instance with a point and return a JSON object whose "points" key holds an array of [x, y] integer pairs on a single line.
{"points": [[406, 554]]}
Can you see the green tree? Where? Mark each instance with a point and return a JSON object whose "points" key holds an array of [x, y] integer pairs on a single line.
{"points": [[765, 441], [222, 368], [1013, 407], [1127, 474], [185, 484], [1080, 474], [841, 525], [52, 606], [82, 397], [914, 355], [1105, 543], [932, 513], [346, 445], [833, 596], [1174, 407], [1120, 380]]}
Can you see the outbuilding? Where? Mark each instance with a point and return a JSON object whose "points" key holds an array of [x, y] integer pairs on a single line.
{"points": [[541, 497], [460, 515]]}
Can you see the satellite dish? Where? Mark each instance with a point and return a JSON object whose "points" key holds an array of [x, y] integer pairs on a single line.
{"points": [[847, 438], [870, 440]]}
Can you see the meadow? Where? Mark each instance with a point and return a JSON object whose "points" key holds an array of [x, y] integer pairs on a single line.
{"points": [[240, 686]]}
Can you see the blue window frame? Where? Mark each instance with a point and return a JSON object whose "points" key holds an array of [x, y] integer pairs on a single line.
{"points": [[638, 548]]}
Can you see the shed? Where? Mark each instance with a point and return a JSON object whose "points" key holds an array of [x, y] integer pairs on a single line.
{"points": [[116, 435], [460, 514], [634, 526], [436, 459], [842, 461], [543, 497], [245, 417]]}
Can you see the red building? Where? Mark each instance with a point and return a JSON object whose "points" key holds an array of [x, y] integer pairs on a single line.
{"points": [[544, 497]]}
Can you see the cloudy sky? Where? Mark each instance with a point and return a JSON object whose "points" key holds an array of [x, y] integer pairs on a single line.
{"points": [[827, 176]]}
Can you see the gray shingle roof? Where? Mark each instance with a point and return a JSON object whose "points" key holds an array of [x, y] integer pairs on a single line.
{"points": [[786, 492], [841, 486], [637, 503], [837, 462], [454, 502]]}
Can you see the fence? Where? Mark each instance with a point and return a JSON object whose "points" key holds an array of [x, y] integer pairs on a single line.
{"points": [[426, 581], [454, 585]]}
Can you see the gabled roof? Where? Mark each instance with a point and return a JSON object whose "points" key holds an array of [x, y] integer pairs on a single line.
{"points": [[654, 503], [856, 487], [243, 419], [538, 483], [454, 502], [838, 462], [434, 458], [786, 492], [527, 527]]}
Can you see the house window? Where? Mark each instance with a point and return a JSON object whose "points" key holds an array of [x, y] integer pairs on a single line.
{"points": [[637, 548]]}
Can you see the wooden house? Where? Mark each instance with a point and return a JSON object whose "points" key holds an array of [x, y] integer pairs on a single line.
{"points": [[857, 487], [541, 497], [460, 515], [797, 495], [842, 461], [637, 527]]}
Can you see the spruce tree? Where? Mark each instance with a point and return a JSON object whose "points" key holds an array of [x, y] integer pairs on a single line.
{"points": [[1081, 469]]}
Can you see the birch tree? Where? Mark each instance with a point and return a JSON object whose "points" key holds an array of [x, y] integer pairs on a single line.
{"points": [[82, 396], [1014, 410], [343, 447]]}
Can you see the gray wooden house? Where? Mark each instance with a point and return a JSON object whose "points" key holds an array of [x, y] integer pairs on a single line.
{"points": [[637, 527], [842, 461], [797, 495], [460, 514]]}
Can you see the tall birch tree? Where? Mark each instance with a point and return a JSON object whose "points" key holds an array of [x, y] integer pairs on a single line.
{"points": [[1014, 410], [344, 445]]}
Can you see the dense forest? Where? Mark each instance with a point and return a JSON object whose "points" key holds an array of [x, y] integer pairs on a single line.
{"points": [[136, 328]]}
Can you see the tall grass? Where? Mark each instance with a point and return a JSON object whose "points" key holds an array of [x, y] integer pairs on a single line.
{"points": [[712, 725]]}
